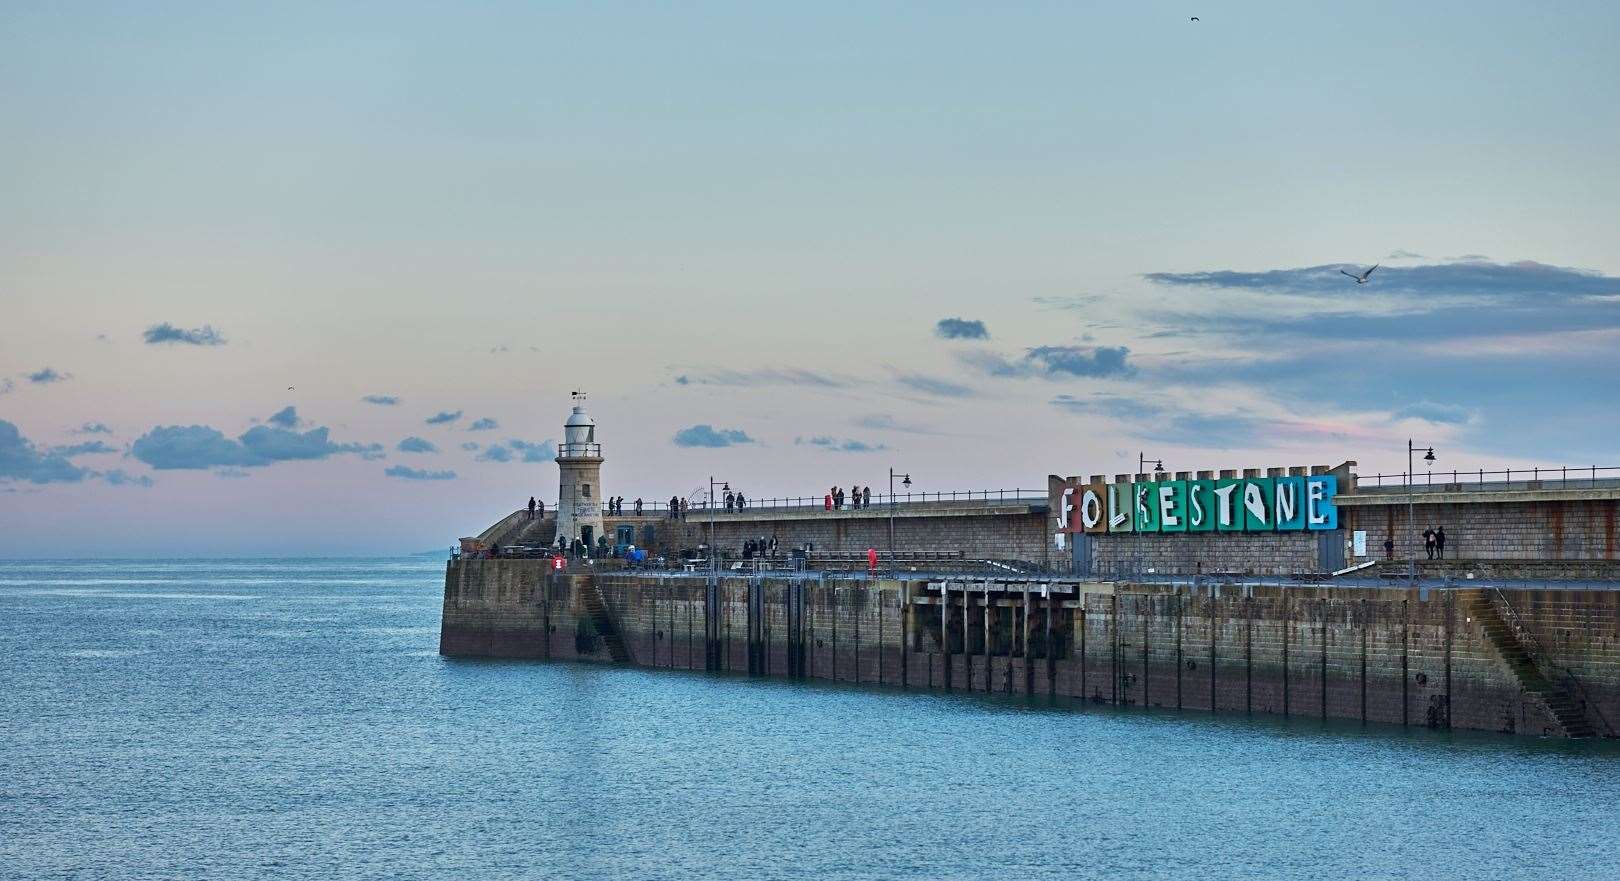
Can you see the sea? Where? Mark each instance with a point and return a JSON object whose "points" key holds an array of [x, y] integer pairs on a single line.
{"points": [[292, 719]]}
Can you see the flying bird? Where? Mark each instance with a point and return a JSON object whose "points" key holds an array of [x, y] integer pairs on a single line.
{"points": [[1362, 278], [289, 388], [1195, 18]]}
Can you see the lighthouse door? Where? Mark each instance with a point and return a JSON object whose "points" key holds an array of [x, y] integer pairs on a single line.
{"points": [[587, 534]]}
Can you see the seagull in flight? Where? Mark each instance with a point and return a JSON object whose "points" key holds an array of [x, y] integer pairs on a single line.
{"points": [[1195, 18], [1362, 278]]}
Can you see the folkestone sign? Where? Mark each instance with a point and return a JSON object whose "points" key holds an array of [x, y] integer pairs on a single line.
{"points": [[1228, 504]]}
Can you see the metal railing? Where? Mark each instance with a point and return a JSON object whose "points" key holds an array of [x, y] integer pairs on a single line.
{"points": [[1590, 476], [880, 502], [567, 450], [1542, 659]]}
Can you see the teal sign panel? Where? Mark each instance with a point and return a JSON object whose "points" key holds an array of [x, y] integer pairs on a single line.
{"points": [[1146, 505], [1290, 508], [1173, 506], [1200, 506]]}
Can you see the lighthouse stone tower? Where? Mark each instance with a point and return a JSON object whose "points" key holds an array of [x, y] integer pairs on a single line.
{"points": [[579, 495]]}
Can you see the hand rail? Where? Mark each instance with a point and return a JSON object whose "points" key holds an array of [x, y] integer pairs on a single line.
{"points": [[1539, 655], [1587, 475]]}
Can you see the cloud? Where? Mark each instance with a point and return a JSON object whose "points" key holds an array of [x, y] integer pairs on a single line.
{"points": [[119, 477], [484, 424], [1430, 411], [286, 417], [1106, 404], [443, 417], [231, 473], [1055, 362], [846, 445], [704, 435], [526, 451], [7, 386], [770, 376], [930, 385], [199, 446], [404, 473], [545, 451], [159, 334], [495, 454], [93, 428], [960, 329], [82, 449], [381, 400], [885, 422], [1466, 299], [21, 460], [470, 445], [46, 376], [415, 444], [1402, 254]]}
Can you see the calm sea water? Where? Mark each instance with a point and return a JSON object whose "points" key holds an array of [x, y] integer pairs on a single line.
{"points": [[291, 719]]}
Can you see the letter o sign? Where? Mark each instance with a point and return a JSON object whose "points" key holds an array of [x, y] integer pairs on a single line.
{"points": [[1091, 511]]}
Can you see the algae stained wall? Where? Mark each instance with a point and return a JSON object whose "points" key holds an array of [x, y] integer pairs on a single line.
{"points": [[1377, 655]]}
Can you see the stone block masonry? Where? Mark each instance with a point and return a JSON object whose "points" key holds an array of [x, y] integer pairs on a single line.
{"points": [[1379, 655]]}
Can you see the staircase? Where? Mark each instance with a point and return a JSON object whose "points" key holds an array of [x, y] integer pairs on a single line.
{"points": [[1518, 648], [541, 532], [602, 619]]}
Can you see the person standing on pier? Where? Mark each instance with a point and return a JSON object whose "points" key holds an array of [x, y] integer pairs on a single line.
{"points": [[866, 496], [674, 507], [1389, 547], [741, 502], [1428, 542], [531, 507], [826, 502], [1440, 542], [540, 510], [638, 506]]}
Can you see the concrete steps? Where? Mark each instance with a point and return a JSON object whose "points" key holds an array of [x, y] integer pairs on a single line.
{"points": [[602, 618], [1522, 661]]}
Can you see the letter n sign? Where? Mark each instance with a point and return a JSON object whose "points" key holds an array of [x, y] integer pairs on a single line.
{"points": [[1290, 503]]}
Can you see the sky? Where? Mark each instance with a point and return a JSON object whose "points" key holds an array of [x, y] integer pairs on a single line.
{"points": [[319, 278]]}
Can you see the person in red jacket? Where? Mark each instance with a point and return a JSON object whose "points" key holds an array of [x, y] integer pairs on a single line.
{"points": [[871, 559], [826, 501]]}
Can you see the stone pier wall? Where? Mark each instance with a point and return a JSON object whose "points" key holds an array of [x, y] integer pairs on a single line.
{"points": [[1381, 655]]}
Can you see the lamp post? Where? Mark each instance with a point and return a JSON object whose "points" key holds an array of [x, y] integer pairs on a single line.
{"points": [[905, 481], [1141, 464], [1411, 517], [714, 559]]}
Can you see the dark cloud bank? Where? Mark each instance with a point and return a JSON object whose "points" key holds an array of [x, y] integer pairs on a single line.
{"points": [[199, 446]]}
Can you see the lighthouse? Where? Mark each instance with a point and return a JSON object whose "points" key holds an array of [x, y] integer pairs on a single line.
{"points": [[579, 463]]}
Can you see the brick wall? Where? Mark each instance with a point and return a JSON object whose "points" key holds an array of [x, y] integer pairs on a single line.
{"points": [[1378, 655]]}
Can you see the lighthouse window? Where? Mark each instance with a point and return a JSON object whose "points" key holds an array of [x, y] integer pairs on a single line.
{"points": [[585, 490]]}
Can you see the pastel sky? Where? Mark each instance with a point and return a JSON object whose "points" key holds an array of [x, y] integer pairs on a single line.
{"points": [[785, 244]]}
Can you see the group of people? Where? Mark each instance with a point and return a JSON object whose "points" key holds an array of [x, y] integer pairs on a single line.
{"points": [[859, 497], [536, 509], [677, 508], [735, 501], [1434, 544], [615, 506]]}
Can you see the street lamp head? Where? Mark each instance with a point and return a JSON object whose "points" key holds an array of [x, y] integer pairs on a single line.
{"points": [[907, 481], [1429, 456], [1158, 466]]}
